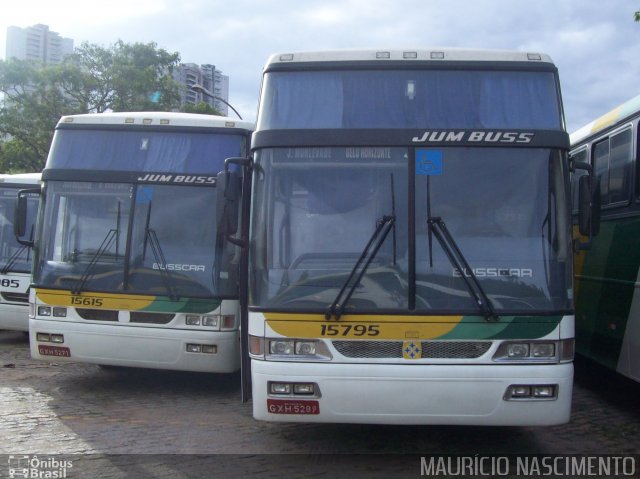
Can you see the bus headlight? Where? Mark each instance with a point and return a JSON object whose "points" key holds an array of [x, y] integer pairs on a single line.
{"points": [[529, 351], [44, 310], [211, 321], [543, 350], [281, 346], [306, 348], [286, 348]]}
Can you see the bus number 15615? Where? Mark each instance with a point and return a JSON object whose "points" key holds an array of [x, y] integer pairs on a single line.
{"points": [[349, 330], [85, 301]]}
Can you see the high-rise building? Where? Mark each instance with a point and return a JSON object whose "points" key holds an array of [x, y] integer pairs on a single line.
{"points": [[211, 85], [37, 43]]}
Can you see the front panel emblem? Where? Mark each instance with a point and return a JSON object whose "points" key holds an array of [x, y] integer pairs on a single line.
{"points": [[411, 350]]}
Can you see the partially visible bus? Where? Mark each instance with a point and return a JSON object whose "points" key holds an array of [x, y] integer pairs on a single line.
{"points": [[607, 275], [16, 252], [130, 268], [410, 243]]}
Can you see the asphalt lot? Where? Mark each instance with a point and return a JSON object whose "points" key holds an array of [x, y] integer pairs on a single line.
{"points": [[145, 423]]}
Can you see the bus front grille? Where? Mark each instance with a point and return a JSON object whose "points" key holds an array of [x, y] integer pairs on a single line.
{"points": [[151, 318], [430, 349], [97, 314], [142, 317]]}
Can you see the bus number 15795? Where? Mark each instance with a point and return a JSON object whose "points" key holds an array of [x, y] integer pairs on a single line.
{"points": [[349, 330]]}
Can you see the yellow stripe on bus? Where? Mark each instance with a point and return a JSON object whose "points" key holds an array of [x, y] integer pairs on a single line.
{"points": [[383, 327], [93, 300], [606, 120]]}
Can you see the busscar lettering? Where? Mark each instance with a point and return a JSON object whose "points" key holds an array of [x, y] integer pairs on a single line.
{"points": [[179, 267], [495, 273], [446, 136]]}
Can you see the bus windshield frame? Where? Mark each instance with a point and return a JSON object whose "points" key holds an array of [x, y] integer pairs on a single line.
{"points": [[132, 210], [513, 233]]}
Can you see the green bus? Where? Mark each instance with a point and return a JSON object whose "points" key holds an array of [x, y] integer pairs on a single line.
{"points": [[607, 281]]}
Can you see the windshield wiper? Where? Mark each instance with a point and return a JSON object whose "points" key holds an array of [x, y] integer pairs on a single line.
{"points": [[14, 257], [113, 235], [383, 227], [151, 237], [108, 240], [451, 249]]}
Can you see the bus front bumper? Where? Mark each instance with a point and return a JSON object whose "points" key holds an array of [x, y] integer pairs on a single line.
{"points": [[131, 346], [412, 394]]}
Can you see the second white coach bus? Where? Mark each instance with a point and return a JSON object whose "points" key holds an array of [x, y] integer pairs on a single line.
{"points": [[130, 268]]}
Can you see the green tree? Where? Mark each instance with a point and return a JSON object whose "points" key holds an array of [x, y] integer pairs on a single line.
{"points": [[637, 16], [32, 106], [123, 77], [202, 108]]}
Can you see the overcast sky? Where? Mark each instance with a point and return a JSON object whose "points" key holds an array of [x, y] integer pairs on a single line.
{"points": [[594, 43]]}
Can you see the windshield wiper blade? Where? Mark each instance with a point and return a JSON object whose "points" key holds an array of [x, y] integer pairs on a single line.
{"points": [[111, 236], [451, 249], [383, 227], [151, 237], [14, 257], [158, 255], [108, 240]]}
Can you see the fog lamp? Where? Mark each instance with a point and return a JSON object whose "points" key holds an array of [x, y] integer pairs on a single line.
{"points": [[279, 388], [520, 391], [44, 337], [544, 391], [303, 388], [209, 348], [57, 338], [194, 348]]}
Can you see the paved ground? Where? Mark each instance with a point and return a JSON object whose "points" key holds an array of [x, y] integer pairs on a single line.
{"points": [[179, 420]]}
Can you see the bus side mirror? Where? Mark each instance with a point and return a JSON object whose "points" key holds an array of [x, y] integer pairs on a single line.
{"points": [[588, 208], [20, 216], [228, 193]]}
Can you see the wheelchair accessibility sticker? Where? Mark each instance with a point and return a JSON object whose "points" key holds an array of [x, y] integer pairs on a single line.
{"points": [[429, 162]]}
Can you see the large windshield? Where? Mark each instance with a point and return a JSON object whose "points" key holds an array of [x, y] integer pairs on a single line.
{"points": [[410, 99], [144, 239], [315, 209], [15, 257]]}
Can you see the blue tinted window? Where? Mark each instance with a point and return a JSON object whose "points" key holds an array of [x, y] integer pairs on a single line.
{"points": [[410, 99], [171, 152]]}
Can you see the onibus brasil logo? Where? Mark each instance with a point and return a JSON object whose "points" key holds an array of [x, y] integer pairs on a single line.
{"points": [[34, 467]]}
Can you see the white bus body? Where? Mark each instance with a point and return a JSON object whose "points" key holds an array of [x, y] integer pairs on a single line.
{"points": [[410, 252], [130, 269]]}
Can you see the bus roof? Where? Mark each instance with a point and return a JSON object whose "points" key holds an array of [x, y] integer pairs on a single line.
{"points": [[435, 54], [156, 118], [626, 110], [21, 178]]}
